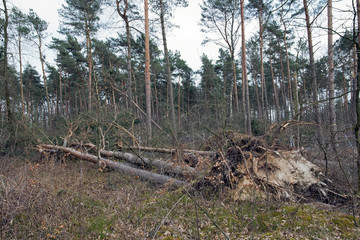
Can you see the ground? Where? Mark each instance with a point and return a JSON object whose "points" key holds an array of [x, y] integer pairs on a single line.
{"points": [[77, 200]]}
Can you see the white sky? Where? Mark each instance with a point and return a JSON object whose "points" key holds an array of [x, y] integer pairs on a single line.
{"points": [[186, 39]]}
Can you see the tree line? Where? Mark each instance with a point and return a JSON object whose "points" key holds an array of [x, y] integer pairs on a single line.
{"points": [[258, 80]]}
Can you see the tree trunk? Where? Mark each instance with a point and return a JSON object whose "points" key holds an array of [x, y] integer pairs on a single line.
{"points": [[333, 126], [288, 72], [21, 78], [128, 38], [259, 109], [357, 98], [168, 70], [161, 165], [44, 78], [276, 96], [283, 85], [244, 70], [263, 84], [147, 71], [129, 68], [4, 71], [290, 97], [169, 151], [89, 61], [142, 174], [60, 91], [237, 109], [314, 85]]}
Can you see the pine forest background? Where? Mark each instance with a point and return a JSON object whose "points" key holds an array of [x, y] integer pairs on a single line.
{"points": [[100, 90]]}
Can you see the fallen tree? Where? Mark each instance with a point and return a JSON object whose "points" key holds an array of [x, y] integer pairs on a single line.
{"points": [[243, 165], [160, 164], [169, 151], [117, 166]]}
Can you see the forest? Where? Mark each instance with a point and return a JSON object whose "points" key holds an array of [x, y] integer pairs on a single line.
{"points": [[262, 142]]}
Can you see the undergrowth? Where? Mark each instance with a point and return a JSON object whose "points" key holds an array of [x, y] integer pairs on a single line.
{"points": [[76, 200]]}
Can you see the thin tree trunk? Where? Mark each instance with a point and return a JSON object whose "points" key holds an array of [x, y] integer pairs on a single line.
{"points": [[287, 65], [60, 91], [89, 61], [357, 98], [128, 38], [168, 70], [44, 78], [263, 84], [288, 72], [283, 85], [147, 71], [314, 85], [345, 89], [179, 103], [333, 126], [21, 79], [244, 70], [235, 81], [4, 70], [259, 109], [353, 83], [276, 96]]}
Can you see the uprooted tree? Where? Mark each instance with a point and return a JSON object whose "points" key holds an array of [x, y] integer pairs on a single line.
{"points": [[244, 165]]}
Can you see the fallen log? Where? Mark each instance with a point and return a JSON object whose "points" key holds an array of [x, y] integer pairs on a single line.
{"points": [[167, 150], [160, 164], [142, 174]]}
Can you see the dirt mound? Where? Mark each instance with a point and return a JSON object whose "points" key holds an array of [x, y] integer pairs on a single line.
{"points": [[247, 166]]}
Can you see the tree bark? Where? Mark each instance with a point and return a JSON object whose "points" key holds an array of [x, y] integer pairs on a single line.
{"points": [[276, 95], [333, 126], [142, 174], [161, 165], [314, 85], [287, 65], [244, 70], [263, 83], [147, 71], [60, 92], [128, 38], [168, 70], [235, 81], [170, 151], [357, 98], [89, 61], [4, 70], [44, 77], [21, 78]]}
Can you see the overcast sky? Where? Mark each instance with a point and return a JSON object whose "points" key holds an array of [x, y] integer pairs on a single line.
{"points": [[187, 38]]}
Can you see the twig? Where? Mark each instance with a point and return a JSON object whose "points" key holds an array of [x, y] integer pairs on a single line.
{"points": [[206, 213], [167, 215]]}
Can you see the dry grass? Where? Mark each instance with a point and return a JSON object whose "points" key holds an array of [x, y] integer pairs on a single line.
{"points": [[76, 200]]}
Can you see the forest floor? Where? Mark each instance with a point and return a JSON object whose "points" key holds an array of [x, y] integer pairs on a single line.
{"points": [[76, 200]]}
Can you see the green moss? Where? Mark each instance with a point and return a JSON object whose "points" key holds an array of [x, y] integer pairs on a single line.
{"points": [[99, 226], [343, 222]]}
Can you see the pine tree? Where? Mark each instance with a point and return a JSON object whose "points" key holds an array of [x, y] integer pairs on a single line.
{"points": [[22, 29], [165, 7], [38, 28], [223, 18], [81, 17], [127, 11]]}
